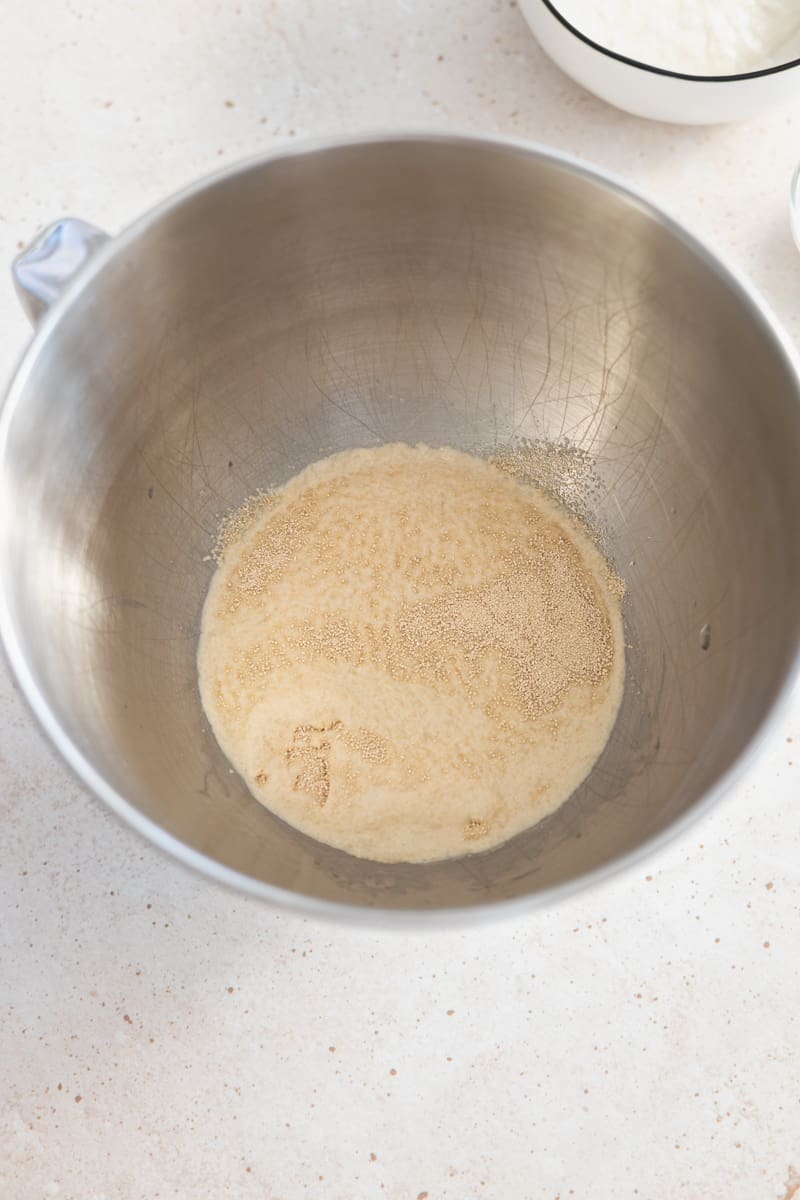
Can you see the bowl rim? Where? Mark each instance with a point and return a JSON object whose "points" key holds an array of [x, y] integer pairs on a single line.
{"points": [[342, 912], [739, 77]]}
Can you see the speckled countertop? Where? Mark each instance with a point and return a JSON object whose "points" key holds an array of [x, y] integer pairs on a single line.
{"points": [[161, 1038]]}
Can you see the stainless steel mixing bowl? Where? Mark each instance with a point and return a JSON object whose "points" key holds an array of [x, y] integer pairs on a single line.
{"points": [[436, 289]]}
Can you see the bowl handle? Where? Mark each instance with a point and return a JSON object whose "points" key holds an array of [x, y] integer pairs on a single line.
{"points": [[45, 267]]}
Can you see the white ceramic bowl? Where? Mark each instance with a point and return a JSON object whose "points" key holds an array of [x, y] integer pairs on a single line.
{"points": [[794, 206], [655, 92]]}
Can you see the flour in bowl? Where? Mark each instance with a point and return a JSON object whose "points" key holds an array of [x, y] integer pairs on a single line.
{"points": [[694, 37], [409, 654]]}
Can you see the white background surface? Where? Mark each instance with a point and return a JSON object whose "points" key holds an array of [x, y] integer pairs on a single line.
{"points": [[160, 1038]]}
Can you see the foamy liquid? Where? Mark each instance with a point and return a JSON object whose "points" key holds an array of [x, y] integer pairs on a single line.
{"points": [[410, 655]]}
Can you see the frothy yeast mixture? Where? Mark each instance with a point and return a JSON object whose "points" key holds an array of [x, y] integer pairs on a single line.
{"points": [[409, 654]]}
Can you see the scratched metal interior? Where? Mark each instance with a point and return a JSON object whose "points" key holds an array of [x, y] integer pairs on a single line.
{"points": [[450, 292]]}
